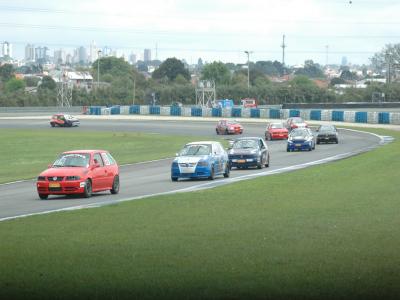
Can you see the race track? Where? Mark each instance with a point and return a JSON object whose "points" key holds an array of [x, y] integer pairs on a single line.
{"points": [[150, 178]]}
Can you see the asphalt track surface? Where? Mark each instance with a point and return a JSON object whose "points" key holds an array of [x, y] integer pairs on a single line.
{"points": [[152, 178]]}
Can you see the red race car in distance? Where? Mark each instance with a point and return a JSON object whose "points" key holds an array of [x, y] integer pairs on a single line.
{"points": [[79, 172], [64, 120], [295, 122], [276, 131], [228, 127]]}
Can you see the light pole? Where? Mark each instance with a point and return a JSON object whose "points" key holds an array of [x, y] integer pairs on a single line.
{"points": [[248, 70], [98, 68]]}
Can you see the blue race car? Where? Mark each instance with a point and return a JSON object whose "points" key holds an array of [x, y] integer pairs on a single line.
{"points": [[200, 160], [301, 139]]}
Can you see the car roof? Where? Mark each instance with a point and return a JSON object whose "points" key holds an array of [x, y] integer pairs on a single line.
{"points": [[84, 151], [248, 138], [203, 142]]}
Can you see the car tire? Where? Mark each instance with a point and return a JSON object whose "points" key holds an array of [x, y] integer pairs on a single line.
{"points": [[115, 187], [174, 178], [217, 131], [43, 196], [337, 141], [52, 124], [227, 170], [267, 162], [318, 142], [88, 189], [313, 146], [260, 164], [287, 150], [212, 174], [226, 131]]}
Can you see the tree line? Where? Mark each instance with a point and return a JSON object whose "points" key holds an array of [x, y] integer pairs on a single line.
{"points": [[171, 82]]}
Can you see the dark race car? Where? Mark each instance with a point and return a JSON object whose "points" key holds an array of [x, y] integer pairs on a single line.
{"points": [[64, 120], [327, 134], [249, 152]]}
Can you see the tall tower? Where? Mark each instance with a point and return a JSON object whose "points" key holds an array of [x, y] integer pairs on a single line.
{"points": [[147, 55], [6, 49], [283, 46], [29, 52]]}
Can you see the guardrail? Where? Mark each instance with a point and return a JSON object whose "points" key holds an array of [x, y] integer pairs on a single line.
{"points": [[262, 113]]}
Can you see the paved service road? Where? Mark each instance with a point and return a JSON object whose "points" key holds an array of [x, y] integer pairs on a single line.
{"points": [[151, 178]]}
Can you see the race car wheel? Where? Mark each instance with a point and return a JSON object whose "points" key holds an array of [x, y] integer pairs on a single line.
{"points": [[269, 138], [217, 131], [260, 164], [287, 149], [43, 196], [226, 131], [227, 170], [52, 124], [318, 142], [115, 186], [337, 141], [174, 178], [212, 174], [267, 162], [88, 189]]}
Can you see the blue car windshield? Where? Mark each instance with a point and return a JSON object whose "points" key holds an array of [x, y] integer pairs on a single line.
{"points": [[245, 144], [299, 133], [194, 150], [72, 160]]}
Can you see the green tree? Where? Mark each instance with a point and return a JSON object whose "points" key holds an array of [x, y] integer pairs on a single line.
{"points": [[14, 85], [170, 69], [6, 72], [310, 69], [216, 71], [47, 83]]}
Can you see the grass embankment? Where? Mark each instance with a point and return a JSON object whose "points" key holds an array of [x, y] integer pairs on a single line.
{"points": [[326, 232], [25, 153]]}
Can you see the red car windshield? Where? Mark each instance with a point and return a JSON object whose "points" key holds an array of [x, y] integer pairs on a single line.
{"points": [[72, 160]]}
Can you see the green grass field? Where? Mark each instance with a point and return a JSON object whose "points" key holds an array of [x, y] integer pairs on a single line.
{"points": [[327, 232], [25, 153]]}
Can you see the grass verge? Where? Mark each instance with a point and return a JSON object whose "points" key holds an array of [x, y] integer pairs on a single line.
{"points": [[327, 232], [25, 153]]}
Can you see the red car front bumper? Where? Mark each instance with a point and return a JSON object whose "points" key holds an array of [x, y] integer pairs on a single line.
{"points": [[60, 188]]}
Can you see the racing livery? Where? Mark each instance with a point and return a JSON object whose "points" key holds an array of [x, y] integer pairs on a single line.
{"points": [[200, 160], [79, 172], [64, 120], [301, 139]]}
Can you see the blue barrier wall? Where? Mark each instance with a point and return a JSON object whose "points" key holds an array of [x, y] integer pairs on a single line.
{"points": [[196, 112], [337, 115], [175, 111], [236, 112], [384, 118], [154, 110], [254, 112], [315, 115], [134, 109], [294, 113], [361, 117], [115, 110], [95, 110], [274, 114], [216, 112]]}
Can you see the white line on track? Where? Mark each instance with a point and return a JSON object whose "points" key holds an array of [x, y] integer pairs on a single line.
{"points": [[208, 185]]}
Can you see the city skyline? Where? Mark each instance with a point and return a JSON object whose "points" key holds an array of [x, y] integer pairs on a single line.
{"points": [[323, 31]]}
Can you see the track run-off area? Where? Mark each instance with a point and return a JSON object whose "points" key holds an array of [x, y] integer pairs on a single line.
{"points": [[139, 180]]}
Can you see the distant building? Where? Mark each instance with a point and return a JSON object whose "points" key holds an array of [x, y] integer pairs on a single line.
{"points": [[93, 52], [82, 56], [6, 49], [132, 58], [59, 57], [29, 53], [41, 55], [344, 61], [147, 55]]}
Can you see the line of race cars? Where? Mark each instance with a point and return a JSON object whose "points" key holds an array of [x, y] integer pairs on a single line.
{"points": [[88, 171]]}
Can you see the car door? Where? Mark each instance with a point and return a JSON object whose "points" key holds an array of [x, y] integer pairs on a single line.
{"points": [[99, 173], [263, 150], [110, 170], [216, 157]]}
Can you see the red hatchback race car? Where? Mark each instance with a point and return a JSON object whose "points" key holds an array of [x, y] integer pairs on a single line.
{"points": [[276, 131], [228, 127], [79, 172], [295, 122], [64, 120]]}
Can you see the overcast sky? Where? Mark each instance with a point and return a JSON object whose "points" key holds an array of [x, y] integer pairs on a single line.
{"points": [[215, 30]]}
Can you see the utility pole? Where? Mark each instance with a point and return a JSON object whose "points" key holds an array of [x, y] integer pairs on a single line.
{"points": [[283, 46], [98, 68], [248, 70]]}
